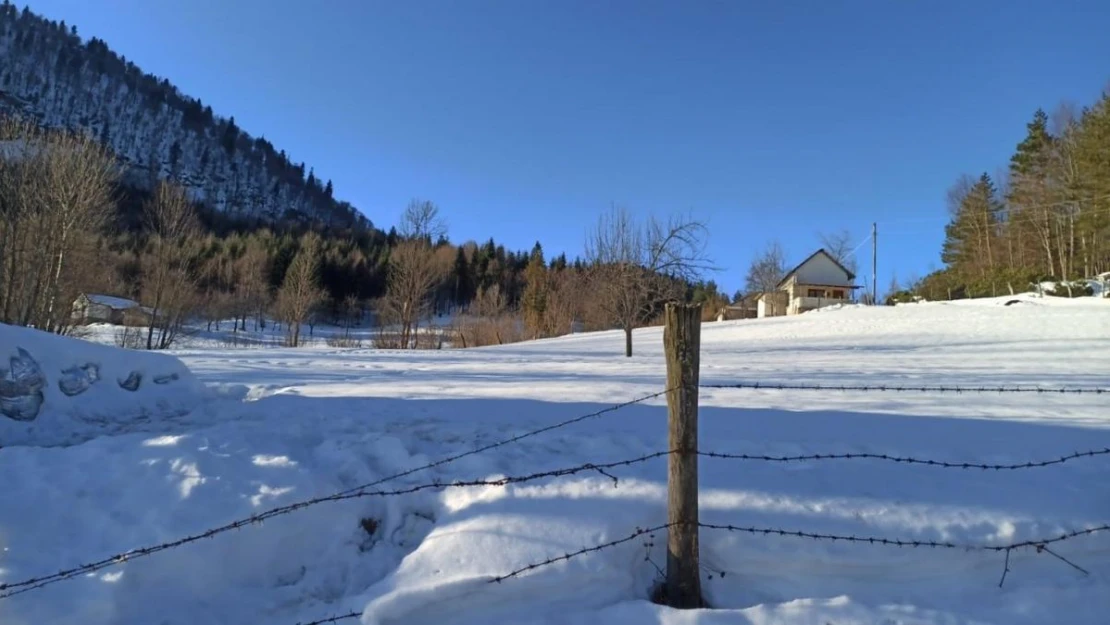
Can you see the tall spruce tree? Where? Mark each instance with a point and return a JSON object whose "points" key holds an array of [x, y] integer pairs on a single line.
{"points": [[536, 291], [462, 279], [971, 239]]}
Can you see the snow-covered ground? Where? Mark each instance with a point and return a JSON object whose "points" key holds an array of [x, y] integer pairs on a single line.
{"points": [[225, 335], [279, 425]]}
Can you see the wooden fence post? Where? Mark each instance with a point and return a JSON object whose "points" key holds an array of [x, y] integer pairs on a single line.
{"points": [[682, 343]]}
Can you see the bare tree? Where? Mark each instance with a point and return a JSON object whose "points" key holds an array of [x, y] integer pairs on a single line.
{"points": [[300, 292], [415, 271], [635, 267], [421, 220], [414, 274], [767, 269], [169, 276], [252, 287], [55, 196], [840, 246], [565, 303]]}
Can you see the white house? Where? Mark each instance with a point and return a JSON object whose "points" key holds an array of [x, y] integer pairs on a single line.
{"points": [[816, 282]]}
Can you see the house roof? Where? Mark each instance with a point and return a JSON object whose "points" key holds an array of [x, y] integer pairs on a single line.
{"points": [[851, 276], [117, 303]]}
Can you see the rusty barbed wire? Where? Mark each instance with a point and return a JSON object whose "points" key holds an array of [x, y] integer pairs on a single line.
{"points": [[908, 459], [27, 585], [885, 388]]}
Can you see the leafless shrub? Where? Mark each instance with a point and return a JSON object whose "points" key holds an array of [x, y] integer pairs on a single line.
{"points": [[344, 342], [488, 321], [130, 337]]}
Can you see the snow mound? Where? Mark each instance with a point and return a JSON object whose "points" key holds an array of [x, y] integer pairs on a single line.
{"points": [[56, 390]]}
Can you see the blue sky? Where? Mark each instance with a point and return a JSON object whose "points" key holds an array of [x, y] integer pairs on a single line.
{"points": [[524, 119]]}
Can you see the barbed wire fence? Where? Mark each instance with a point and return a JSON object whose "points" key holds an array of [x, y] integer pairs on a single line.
{"points": [[14, 588], [894, 388], [608, 470]]}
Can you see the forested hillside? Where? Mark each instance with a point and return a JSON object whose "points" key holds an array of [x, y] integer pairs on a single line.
{"points": [[49, 73], [1047, 217]]}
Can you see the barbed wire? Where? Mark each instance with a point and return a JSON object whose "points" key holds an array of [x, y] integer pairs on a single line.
{"points": [[574, 554], [883, 388], [27, 585], [16, 588], [333, 619], [1041, 545], [896, 542], [909, 460]]}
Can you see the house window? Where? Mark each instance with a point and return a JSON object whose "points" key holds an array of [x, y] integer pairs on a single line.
{"points": [[838, 294], [816, 293]]}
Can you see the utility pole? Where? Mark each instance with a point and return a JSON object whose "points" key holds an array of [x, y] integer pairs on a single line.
{"points": [[874, 264]]}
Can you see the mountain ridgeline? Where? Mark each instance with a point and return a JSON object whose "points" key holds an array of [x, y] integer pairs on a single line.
{"points": [[48, 74]]}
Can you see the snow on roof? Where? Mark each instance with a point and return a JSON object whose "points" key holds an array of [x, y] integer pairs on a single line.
{"points": [[110, 301]]}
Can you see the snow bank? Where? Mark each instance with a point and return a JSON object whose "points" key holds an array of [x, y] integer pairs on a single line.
{"points": [[59, 391]]}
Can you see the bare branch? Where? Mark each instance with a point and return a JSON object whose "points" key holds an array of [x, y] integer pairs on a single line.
{"points": [[421, 220], [636, 267]]}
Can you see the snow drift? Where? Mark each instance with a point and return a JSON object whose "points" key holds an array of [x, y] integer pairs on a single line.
{"points": [[56, 390]]}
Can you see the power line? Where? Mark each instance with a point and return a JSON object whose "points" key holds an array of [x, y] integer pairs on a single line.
{"points": [[1016, 208], [1018, 220]]}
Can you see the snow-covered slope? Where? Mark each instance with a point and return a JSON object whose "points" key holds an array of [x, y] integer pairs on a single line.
{"points": [[61, 391], [318, 421]]}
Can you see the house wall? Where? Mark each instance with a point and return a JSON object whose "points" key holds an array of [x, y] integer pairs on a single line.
{"points": [[772, 304], [821, 270], [800, 300], [85, 311]]}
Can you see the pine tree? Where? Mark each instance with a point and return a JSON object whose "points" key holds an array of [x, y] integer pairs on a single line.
{"points": [[971, 237], [536, 291], [462, 279], [1031, 197]]}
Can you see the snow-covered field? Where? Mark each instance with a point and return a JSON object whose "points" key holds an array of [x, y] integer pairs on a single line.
{"points": [[275, 426]]}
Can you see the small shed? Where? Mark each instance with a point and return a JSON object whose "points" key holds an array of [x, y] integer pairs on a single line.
{"points": [[98, 308]]}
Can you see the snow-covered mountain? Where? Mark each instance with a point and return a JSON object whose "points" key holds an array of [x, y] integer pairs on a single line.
{"points": [[47, 72]]}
